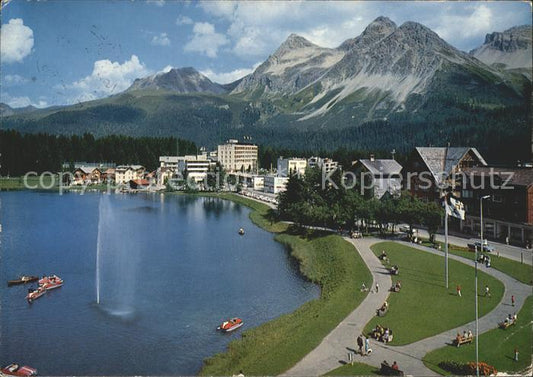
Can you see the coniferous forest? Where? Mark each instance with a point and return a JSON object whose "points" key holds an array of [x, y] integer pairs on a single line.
{"points": [[21, 153]]}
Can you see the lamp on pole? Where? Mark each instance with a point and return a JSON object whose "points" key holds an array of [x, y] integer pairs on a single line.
{"points": [[475, 263]]}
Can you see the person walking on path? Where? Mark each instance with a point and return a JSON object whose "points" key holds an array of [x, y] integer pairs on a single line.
{"points": [[367, 346], [512, 300], [516, 354], [360, 343], [458, 290], [377, 287], [487, 291]]}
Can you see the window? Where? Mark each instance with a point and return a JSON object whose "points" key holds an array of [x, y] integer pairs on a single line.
{"points": [[467, 194]]}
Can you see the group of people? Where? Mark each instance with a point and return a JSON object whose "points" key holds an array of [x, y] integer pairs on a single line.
{"points": [[393, 366], [383, 309], [383, 256], [467, 335], [484, 259], [396, 286], [395, 270], [383, 334], [510, 319], [363, 343]]}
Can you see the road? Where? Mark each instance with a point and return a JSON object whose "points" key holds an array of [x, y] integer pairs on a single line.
{"points": [[507, 251]]}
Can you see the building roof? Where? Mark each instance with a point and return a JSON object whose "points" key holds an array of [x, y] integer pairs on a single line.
{"points": [[126, 167], [383, 185], [516, 176], [87, 169], [382, 167], [442, 160]]}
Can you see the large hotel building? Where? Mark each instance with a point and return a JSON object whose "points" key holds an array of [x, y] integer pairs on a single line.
{"points": [[235, 156]]}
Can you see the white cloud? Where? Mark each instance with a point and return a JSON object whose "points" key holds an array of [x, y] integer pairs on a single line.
{"points": [[108, 78], [16, 41], [23, 101], [11, 80], [184, 20], [463, 26], [227, 77], [161, 40], [257, 28], [158, 3], [205, 40]]}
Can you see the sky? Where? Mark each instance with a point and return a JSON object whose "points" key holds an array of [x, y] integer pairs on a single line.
{"points": [[58, 52]]}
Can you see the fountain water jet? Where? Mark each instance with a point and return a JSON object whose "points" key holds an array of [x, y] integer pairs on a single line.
{"points": [[117, 258]]}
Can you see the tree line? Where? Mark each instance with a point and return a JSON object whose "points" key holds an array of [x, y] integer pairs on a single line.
{"points": [[307, 201], [20, 153]]}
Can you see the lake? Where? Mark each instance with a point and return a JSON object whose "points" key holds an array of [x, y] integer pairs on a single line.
{"points": [[171, 269]]}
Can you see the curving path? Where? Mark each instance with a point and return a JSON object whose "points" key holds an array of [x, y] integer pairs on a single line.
{"points": [[334, 348]]}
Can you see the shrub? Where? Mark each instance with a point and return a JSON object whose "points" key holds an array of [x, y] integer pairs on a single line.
{"points": [[455, 367]]}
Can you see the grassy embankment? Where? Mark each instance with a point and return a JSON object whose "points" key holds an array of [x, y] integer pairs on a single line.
{"points": [[496, 347], [32, 182], [520, 271], [274, 347], [357, 369], [413, 311]]}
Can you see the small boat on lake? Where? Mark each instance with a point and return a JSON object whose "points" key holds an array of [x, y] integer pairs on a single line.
{"points": [[17, 370], [241, 231], [230, 325], [51, 282], [22, 280], [35, 293]]}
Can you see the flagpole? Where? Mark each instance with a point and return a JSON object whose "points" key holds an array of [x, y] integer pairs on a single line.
{"points": [[446, 246]]}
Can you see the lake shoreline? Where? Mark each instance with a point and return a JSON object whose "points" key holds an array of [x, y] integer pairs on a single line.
{"points": [[290, 337]]}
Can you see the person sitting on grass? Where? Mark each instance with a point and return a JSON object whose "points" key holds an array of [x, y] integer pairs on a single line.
{"points": [[470, 334], [384, 307], [385, 338], [383, 256], [458, 338]]}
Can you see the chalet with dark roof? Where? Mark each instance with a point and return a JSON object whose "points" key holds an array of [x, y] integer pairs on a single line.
{"points": [[432, 170], [382, 175]]}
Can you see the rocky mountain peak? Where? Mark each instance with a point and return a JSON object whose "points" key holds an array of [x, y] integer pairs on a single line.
{"points": [[510, 48], [181, 80], [293, 42], [378, 29]]}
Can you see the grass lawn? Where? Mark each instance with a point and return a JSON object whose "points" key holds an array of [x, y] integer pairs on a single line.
{"points": [[521, 272], [357, 369], [17, 183], [275, 346], [496, 347], [424, 307]]}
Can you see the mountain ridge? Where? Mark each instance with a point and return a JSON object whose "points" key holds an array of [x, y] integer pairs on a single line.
{"points": [[392, 85]]}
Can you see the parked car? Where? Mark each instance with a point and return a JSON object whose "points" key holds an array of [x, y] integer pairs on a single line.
{"points": [[477, 245]]}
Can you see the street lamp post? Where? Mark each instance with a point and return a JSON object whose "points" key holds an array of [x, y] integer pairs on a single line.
{"points": [[475, 264]]}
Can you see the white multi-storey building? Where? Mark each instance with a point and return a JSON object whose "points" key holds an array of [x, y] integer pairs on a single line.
{"points": [[325, 164], [289, 166], [195, 167], [274, 184], [235, 156], [126, 173]]}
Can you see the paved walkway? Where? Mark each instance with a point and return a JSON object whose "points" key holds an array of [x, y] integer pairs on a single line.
{"points": [[333, 350], [507, 251]]}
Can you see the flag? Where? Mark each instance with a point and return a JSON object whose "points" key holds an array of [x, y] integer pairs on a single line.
{"points": [[454, 207]]}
